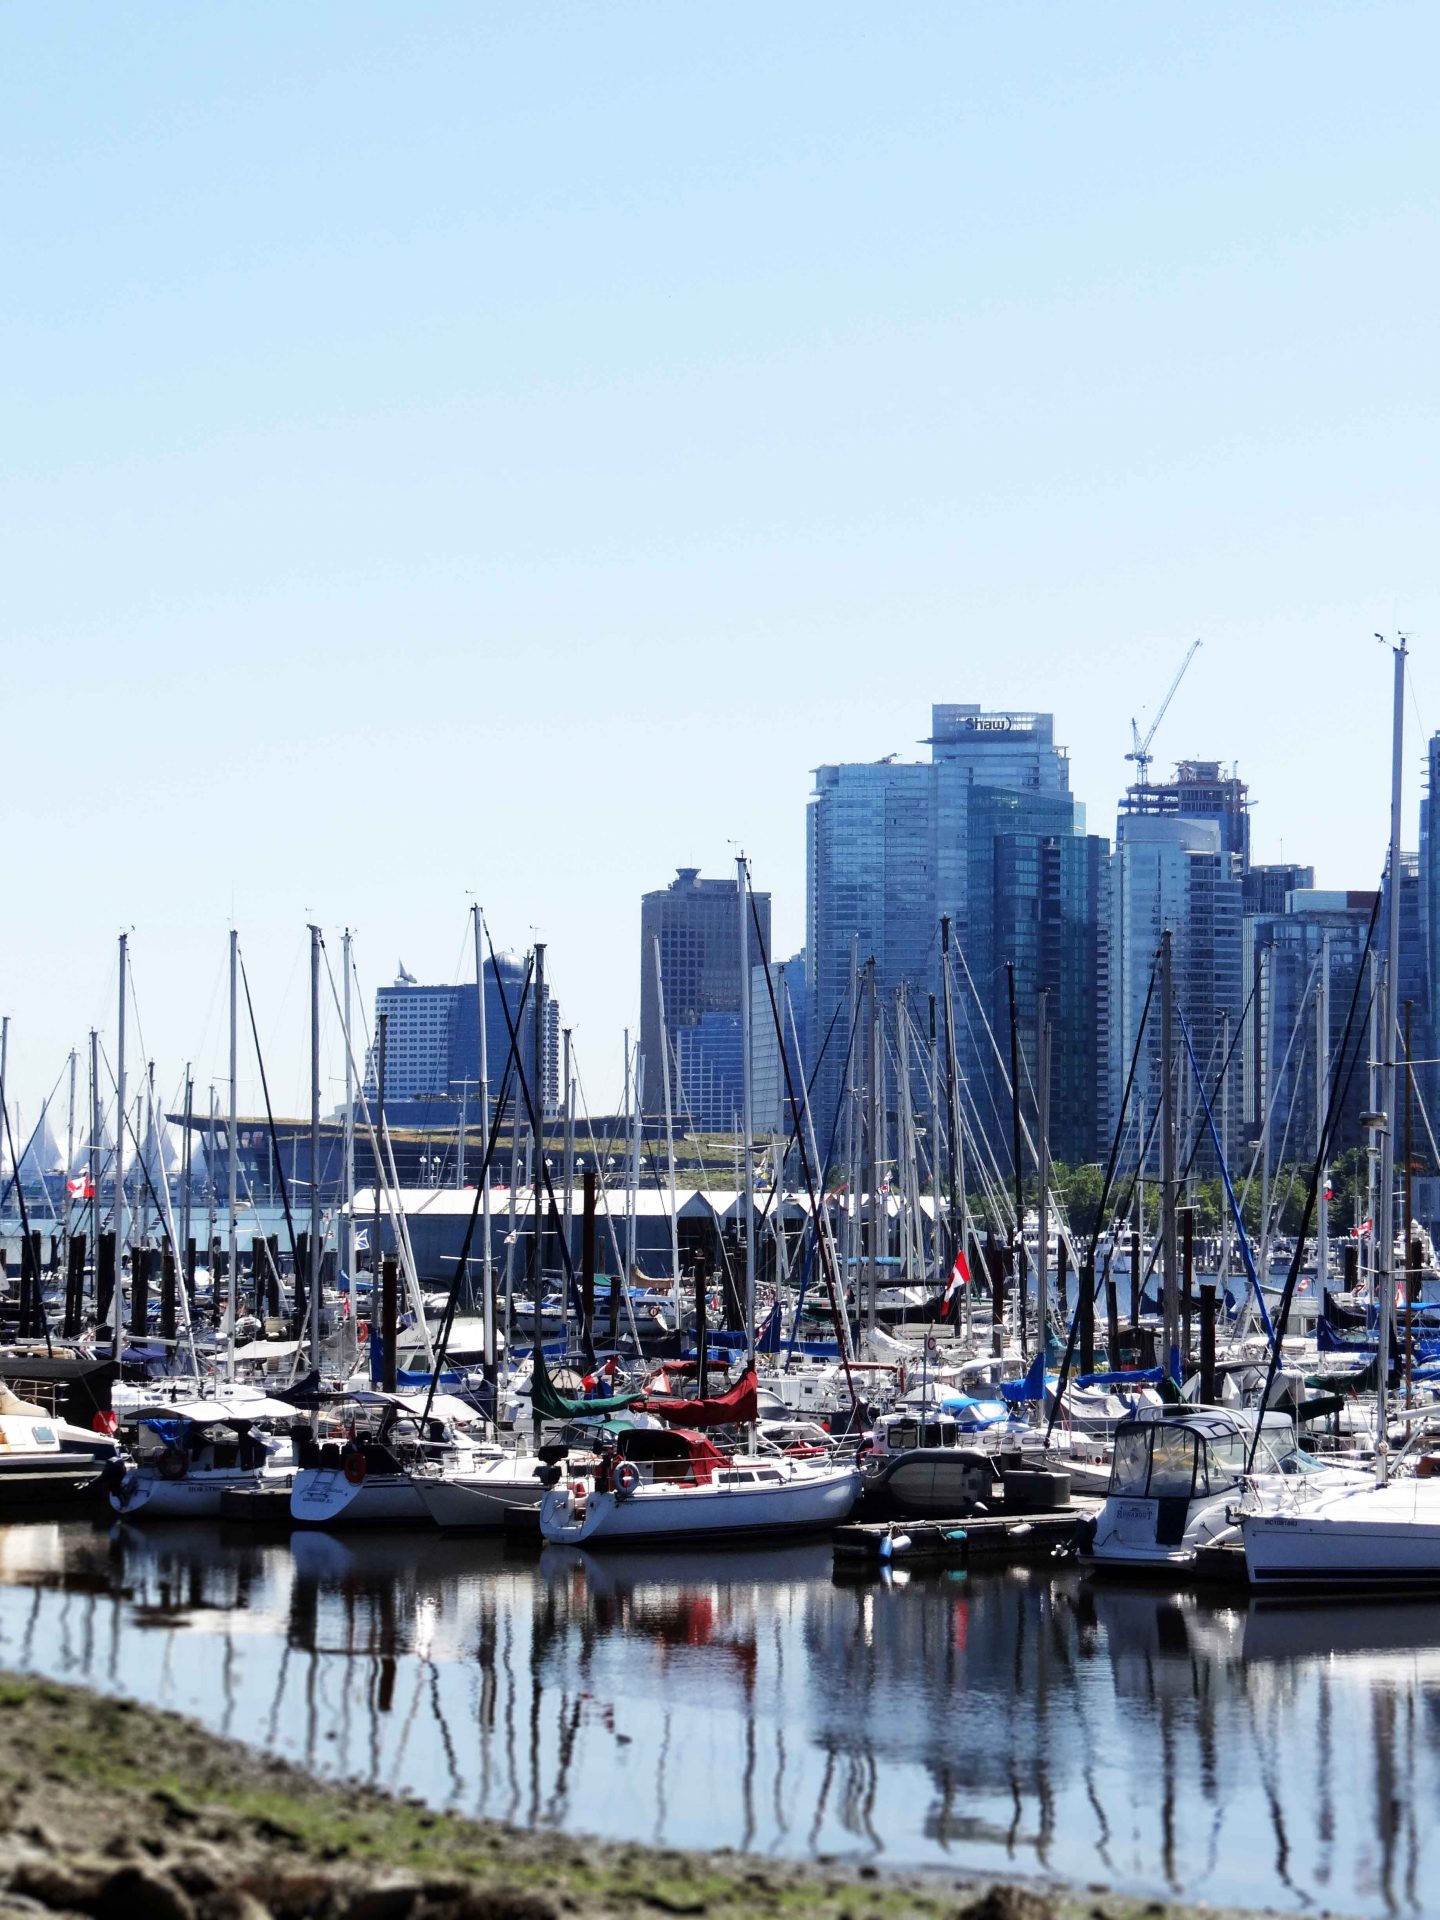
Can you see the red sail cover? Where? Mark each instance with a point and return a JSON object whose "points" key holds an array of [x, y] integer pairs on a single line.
{"points": [[736, 1407]]}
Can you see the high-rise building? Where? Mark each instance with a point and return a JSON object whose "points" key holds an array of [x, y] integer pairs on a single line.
{"points": [[432, 1038], [1266, 888], [1200, 791], [892, 846], [1284, 955], [697, 925], [770, 1104], [1172, 872]]}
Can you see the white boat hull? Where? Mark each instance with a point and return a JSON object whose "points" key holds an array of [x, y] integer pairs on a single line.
{"points": [[728, 1507], [1370, 1537], [480, 1502], [323, 1497], [147, 1495]]}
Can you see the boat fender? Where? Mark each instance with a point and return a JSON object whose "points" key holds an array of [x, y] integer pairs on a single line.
{"points": [[172, 1464], [355, 1465], [627, 1478]]}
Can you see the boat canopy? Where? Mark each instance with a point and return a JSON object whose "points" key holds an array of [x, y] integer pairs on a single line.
{"points": [[739, 1405]]}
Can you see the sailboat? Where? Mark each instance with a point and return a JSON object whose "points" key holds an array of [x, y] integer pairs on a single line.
{"points": [[1386, 1532], [679, 1485]]}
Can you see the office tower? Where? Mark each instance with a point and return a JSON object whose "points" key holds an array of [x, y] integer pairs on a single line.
{"points": [[1171, 871], [1283, 958], [1266, 888], [892, 846], [697, 925], [432, 1039], [770, 1101]]}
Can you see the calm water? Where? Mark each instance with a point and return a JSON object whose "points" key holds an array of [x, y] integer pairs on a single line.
{"points": [[1287, 1756]]}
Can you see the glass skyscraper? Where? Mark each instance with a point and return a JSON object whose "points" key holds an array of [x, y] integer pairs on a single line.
{"points": [[979, 832], [697, 925]]}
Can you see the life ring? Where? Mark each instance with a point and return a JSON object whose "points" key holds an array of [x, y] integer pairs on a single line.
{"points": [[362, 1330], [627, 1478], [356, 1466], [172, 1464]]}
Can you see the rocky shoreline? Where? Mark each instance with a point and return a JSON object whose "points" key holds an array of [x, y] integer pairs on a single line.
{"points": [[115, 1812]]}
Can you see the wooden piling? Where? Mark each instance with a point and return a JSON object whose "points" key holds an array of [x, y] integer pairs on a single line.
{"points": [[389, 1305]]}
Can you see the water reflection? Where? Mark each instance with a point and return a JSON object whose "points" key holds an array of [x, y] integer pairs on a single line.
{"points": [[1266, 1753]]}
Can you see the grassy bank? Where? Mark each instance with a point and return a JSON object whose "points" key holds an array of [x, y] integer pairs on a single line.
{"points": [[114, 1811]]}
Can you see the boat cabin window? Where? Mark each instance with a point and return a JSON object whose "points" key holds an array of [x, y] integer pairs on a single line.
{"points": [[1130, 1466], [1172, 1463], [904, 1433]]}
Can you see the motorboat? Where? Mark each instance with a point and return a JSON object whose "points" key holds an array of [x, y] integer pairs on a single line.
{"points": [[46, 1462], [676, 1485], [1178, 1472], [189, 1453], [924, 1461], [1370, 1534]]}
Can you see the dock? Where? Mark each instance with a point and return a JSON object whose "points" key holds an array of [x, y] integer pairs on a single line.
{"points": [[991, 1539]]}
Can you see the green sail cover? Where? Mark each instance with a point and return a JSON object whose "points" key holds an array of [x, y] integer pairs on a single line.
{"points": [[551, 1404]]}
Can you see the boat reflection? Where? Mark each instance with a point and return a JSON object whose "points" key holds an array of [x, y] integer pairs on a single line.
{"points": [[1266, 1752]]}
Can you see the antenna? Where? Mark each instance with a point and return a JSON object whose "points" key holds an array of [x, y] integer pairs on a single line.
{"points": [[1140, 751]]}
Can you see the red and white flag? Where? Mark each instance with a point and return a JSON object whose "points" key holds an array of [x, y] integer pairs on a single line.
{"points": [[959, 1277], [80, 1188]]}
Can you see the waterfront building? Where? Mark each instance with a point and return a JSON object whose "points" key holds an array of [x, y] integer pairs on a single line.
{"points": [[432, 1038], [697, 925], [892, 846]]}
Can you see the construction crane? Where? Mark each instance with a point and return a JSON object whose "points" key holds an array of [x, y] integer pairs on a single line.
{"points": [[1140, 752]]}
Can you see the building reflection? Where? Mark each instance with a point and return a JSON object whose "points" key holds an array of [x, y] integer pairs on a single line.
{"points": [[750, 1699]]}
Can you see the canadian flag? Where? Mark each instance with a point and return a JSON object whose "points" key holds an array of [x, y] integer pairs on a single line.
{"points": [[80, 1188], [959, 1277]]}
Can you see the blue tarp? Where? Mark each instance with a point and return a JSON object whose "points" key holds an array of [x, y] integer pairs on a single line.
{"points": [[1031, 1388]]}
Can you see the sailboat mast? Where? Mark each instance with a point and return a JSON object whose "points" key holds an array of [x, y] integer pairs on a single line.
{"points": [[70, 1149], [118, 1301], [742, 888], [487, 1263], [1321, 1110], [670, 1127], [347, 1217], [1168, 1246], [315, 1261], [1385, 1213], [95, 1151], [232, 1172]]}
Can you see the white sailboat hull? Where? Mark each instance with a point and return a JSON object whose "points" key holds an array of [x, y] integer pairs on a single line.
{"points": [[147, 1495], [480, 1502], [727, 1507], [323, 1497]]}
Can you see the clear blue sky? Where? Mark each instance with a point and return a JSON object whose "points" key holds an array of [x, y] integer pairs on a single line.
{"points": [[504, 448]]}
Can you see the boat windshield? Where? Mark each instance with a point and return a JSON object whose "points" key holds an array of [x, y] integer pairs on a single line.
{"points": [[1277, 1453]]}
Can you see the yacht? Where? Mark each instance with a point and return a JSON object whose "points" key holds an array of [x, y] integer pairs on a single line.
{"points": [[1177, 1475], [1371, 1534]]}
